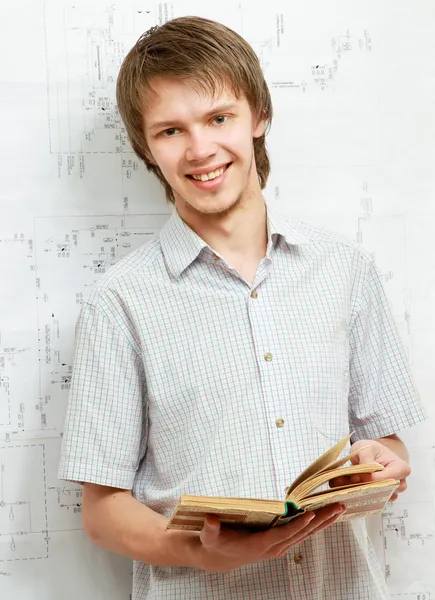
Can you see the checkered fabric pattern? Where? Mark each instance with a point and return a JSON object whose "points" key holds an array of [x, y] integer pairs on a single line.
{"points": [[190, 380]]}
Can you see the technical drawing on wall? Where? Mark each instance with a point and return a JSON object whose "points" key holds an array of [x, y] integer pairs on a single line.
{"points": [[342, 76]]}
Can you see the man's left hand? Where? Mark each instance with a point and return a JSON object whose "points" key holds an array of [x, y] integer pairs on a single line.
{"points": [[395, 467]]}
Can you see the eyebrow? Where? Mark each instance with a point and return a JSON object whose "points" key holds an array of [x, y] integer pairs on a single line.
{"points": [[220, 108]]}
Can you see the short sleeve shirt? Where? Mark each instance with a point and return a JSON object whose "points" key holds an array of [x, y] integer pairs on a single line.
{"points": [[190, 380]]}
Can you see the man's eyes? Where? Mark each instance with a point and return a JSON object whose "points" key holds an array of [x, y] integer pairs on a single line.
{"points": [[219, 119], [169, 132]]}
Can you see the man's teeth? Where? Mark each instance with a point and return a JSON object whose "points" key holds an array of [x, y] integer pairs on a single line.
{"points": [[208, 176]]}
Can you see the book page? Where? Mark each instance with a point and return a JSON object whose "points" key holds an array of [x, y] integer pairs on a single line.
{"points": [[192, 519], [307, 486], [369, 498], [334, 466], [342, 461], [322, 463]]}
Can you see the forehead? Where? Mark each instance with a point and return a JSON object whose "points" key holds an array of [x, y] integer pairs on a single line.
{"points": [[180, 100]]}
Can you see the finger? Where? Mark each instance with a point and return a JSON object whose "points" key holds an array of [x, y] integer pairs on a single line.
{"points": [[393, 497], [210, 532], [326, 523], [300, 540], [281, 549], [277, 535], [351, 479], [284, 550], [361, 478], [396, 469], [320, 525], [284, 534], [402, 486], [365, 455], [339, 481], [321, 516]]}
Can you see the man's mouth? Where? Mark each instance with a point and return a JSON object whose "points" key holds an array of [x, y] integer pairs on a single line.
{"points": [[211, 175]]}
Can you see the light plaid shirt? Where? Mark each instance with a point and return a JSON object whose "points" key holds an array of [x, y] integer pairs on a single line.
{"points": [[189, 380]]}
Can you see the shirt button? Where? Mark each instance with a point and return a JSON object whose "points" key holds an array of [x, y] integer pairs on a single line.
{"points": [[215, 257], [298, 558], [279, 422], [254, 294], [268, 357]]}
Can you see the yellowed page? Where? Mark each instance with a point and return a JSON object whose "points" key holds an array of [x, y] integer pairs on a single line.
{"points": [[307, 486], [342, 461], [365, 500], [345, 489], [320, 464], [192, 518], [334, 465], [222, 502]]}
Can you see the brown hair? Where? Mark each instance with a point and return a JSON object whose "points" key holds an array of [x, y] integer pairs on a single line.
{"points": [[207, 54]]}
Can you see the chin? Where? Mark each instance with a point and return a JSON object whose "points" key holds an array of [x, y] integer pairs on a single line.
{"points": [[220, 202], [217, 208]]}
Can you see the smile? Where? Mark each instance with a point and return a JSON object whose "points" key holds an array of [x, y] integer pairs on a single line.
{"points": [[211, 175]]}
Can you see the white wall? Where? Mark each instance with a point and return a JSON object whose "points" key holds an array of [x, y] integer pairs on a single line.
{"points": [[352, 148]]}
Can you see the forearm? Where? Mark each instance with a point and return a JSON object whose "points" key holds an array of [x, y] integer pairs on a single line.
{"points": [[394, 443], [116, 521]]}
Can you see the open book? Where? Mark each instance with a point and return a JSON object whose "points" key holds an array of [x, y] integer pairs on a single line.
{"points": [[360, 500]]}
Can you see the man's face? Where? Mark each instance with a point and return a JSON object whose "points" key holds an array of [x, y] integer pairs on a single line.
{"points": [[191, 134]]}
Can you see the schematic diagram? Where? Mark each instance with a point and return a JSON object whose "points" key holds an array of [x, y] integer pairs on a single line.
{"points": [[407, 527], [23, 505], [350, 152], [71, 254], [288, 60], [54, 270], [18, 348], [85, 47]]}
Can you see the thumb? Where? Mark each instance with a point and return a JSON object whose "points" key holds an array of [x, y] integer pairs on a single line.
{"points": [[210, 532], [365, 455]]}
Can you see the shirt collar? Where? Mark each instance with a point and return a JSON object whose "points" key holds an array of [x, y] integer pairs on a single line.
{"points": [[291, 231], [181, 245]]}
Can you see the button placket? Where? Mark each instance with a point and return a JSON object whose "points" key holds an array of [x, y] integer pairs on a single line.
{"points": [[272, 405]]}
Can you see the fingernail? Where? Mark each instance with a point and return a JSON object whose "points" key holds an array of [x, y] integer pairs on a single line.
{"points": [[209, 525]]}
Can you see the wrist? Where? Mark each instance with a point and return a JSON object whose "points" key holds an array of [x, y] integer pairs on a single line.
{"points": [[396, 445], [183, 549]]}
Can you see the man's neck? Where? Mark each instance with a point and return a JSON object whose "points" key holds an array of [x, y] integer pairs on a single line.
{"points": [[240, 236]]}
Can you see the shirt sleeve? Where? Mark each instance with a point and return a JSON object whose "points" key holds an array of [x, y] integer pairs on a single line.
{"points": [[382, 397], [105, 426]]}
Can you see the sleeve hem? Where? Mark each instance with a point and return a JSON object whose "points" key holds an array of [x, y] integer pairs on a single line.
{"points": [[98, 474], [371, 431]]}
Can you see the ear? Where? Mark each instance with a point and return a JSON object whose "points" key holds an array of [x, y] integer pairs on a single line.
{"points": [[259, 127]]}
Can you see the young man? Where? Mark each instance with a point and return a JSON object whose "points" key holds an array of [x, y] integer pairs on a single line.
{"points": [[226, 355]]}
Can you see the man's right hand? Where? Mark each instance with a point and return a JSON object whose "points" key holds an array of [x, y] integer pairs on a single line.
{"points": [[225, 549], [118, 522]]}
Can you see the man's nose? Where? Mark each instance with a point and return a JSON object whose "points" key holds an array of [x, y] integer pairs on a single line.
{"points": [[200, 146]]}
